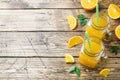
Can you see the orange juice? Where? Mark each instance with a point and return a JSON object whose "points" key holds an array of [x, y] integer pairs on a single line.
{"points": [[96, 47], [91, 58], [98, 31]]}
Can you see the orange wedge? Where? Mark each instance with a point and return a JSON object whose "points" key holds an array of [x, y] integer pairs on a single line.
{"points": [[69, 58], [89, 4], [74, 41], [72, 22], [114, 11], [104, 72], [117, 31]]}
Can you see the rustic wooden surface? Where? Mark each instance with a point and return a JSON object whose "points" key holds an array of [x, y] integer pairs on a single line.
{"points": [[33, 40]]}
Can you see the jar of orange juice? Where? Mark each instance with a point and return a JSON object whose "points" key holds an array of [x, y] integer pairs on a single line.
{"points": [[101, 29], [91, 58]]}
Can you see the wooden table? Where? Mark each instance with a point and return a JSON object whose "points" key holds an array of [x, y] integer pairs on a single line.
{"points": [[33, 40]]}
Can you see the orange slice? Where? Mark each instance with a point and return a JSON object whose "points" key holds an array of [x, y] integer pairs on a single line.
{"points": [[114, 11], [117, 31], [72, 22], [89, 4], [74, 41], [104, 72], [69, 58]]}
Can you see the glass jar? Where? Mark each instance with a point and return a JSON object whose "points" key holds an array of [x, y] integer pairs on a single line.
{"points": [[101, 29], [91, 58]]}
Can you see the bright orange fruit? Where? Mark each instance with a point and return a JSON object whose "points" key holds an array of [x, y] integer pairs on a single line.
{"points": [[117, 31], [104, 72], [74, 41], [69, 58], [89, 4], [114, 11], [72, 22]]}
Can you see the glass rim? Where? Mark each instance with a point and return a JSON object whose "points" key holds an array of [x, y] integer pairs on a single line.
{"points": [[101, 27], [94, 54]]}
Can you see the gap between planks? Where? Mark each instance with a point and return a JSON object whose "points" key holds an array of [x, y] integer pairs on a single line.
{"points": [[41, 8], [41, 57], [46, 31]]}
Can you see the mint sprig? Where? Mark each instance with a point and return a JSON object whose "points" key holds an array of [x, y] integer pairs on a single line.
{"points": [[82, 19], [114, 49], [74, 69], [81, 16]]}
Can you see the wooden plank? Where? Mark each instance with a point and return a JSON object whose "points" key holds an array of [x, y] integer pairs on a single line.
{"points": [[33, 69], [50, 3], [43, 44], [42, 20]]}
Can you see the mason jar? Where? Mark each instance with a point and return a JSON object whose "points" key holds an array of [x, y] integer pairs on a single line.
{"points": [[91, 58], [101, 29]]}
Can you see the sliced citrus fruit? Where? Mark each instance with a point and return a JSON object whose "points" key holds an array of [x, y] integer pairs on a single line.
{"points": [[72, 22], [117, 31], [74, 41], [89, 4], [104, 72], [69, 58], [114, 11]]}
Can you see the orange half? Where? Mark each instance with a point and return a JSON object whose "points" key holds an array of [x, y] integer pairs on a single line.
{"points": [[89, 4], [117, 31], [114, 11]]}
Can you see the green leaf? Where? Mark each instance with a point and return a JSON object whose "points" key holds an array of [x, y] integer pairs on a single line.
{"points": [[81, 16], [114, 49], [77, 71], [83, 22], [71, 69]]}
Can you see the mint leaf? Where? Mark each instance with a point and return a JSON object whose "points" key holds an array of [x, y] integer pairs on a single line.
{"points": [[77, 71], [82, 19], [83, 22], [71, 69], [81, 16], [114, 49]]}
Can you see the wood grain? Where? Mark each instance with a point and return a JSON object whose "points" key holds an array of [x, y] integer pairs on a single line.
{"points": [[43, 20], [44, 44], [34, 36], [23, 4], [51, 69]]}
